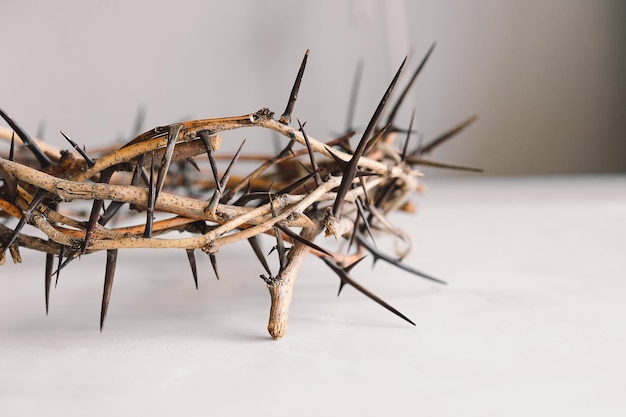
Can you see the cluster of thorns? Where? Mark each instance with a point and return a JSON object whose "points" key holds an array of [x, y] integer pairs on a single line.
{"points": [[341, 190]]}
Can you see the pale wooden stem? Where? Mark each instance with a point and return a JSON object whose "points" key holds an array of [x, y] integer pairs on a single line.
{"points": [[281, 288]]}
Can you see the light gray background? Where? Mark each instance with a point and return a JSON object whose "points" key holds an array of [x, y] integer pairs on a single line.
{"points": [[546, 77]]}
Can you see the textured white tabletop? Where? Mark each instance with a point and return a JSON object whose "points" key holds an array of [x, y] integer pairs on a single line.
{"points": [[532, 322]]}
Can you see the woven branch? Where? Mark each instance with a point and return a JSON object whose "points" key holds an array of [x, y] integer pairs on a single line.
{"points": [[318, 187]]}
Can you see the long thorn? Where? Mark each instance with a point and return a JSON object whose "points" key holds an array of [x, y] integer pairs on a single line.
{"points": [[90, 162], [43, 159], [286, 116], [399, 264], [256, 247], [449, 134], [351, 168], [191, 257], [38, 198], [48, 278], [396, 107], [318, 179], [408, 136], [213, 259], [151, 199], [346, 279], [108, 284]]}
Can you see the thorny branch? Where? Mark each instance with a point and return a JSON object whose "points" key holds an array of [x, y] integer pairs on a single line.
{"points": [[321, 186]]}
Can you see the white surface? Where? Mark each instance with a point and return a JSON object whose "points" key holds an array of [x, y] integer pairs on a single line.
{"points": [[533, 321]]}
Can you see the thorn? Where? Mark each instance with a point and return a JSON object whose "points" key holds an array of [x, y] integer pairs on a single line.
{"points": [[302, 240], [396, 106], [38, 198], [254, 242], [449, 134], [191, 257], [353, 96], [280, 247], [90, 162], [43, 159], [229, 168], [174, 132], [314, 166], [139, 120], [59, 265], [433, 164], [347, 269], [193, 163], [408, 136], [346, 279], [286, 116], [205, 135], [351, 168], [48, 278], [213, 259], [96, 208], [108, 284], [151, 200], [399, 264], [12, 148]]}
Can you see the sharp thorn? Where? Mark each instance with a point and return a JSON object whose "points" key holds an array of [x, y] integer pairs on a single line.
{"points": [[48, 279], [408, 137], [43, 159], [151, 199], [108, 284], [399, 264], [256, 247], [351, 168], [213, 259], [90, 162], [314, 166], [286, 116], [191, 257], [448, 135], [347, 280], [398, 103]]}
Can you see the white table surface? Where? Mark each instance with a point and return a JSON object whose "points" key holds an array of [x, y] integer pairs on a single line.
{"points": [[533, 321]]}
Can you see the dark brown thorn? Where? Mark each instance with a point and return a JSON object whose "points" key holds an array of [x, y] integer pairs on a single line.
{"points": [[361, 214], [38, 198], [230, 166], [139, 121], [213, 259], [12, 148], [48, 278], [191, 257], [449, 134], [299, 238], [58, 271], [242, 200], [174, 132], [395, 262], [351, 168], [90, 162], [318, 179], [151, 200], [280, 247], [138, 171], [346, 279], [433, 164], [347, 269], [43, 159], [408, 137], [354, 92], [376, 139], [254, 242], [284, 154], [396, 107], [41, 129], [205, 135], [193, 163], [96, 208], [108, 284], [286, 116], [112, 209]]}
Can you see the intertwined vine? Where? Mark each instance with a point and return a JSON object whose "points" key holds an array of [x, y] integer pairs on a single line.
{"points": [[170, 178]]}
